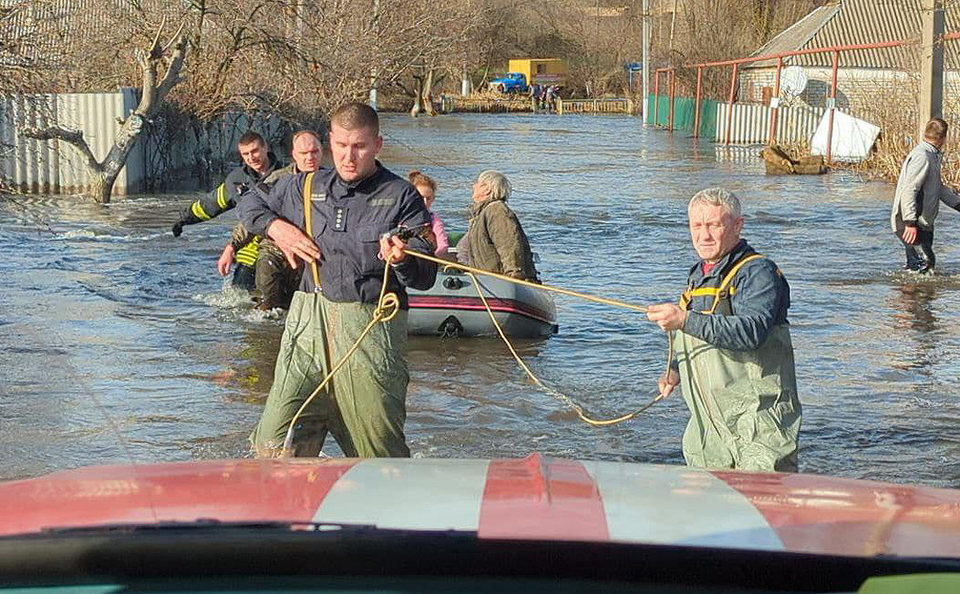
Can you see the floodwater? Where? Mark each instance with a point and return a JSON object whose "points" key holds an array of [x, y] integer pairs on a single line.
{"points": [[121, 342]]}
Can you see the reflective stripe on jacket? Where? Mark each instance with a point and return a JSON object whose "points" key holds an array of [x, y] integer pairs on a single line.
{"points": [[226, 195]]}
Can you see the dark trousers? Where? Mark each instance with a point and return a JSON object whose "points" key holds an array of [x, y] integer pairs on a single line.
{"points": [[244, 277], [920, 256], [276, 281]]}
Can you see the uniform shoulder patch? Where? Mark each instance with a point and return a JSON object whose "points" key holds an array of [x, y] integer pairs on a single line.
{"points": [[382, 200]]}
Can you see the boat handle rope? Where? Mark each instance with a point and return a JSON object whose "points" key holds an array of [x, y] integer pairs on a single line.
{"points": [[388, 305]]}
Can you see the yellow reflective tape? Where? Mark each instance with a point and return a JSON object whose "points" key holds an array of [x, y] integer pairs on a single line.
{"points": [[705, 292], [222, 196], [248, 253], [197, 209], [715, 292]]}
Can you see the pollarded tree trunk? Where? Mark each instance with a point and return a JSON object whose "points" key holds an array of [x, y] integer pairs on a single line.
{"points": [[104, 173], [426, 93], [417, 103], [101, 185]]}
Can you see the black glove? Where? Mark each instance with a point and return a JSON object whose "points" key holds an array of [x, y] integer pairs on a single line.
{"points": [[177, 228]]}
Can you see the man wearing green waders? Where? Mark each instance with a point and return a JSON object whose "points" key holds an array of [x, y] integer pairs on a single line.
{"points": [[734, 354], [350, 210]]}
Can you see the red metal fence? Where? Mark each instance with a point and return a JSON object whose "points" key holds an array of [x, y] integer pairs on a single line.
{"points": [[835, 50]]}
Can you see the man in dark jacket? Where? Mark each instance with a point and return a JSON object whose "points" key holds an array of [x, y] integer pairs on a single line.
{"points": [[345, 213], [920, 191], [276, 281], [495, 241], [258, 163], [734, 352]]}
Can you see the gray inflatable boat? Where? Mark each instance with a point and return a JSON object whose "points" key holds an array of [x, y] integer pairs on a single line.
{"points": [[453, 308]]}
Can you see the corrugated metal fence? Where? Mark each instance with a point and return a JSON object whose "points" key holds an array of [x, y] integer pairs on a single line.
{"points": [[54, 167], [750, 123]]}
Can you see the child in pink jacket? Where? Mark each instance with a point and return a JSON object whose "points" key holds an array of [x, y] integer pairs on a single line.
{"points": [[428, 188]]}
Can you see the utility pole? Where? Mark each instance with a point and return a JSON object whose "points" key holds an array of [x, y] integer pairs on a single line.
{"points": [[931, 65], [373, 72], [673, 23], [646, 60]]}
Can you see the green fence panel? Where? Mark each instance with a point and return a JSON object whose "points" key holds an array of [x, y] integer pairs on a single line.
{"points": [[708, 119], [683, 116]]}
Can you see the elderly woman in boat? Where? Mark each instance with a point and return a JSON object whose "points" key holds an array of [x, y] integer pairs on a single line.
{"points": [[495, 241]]}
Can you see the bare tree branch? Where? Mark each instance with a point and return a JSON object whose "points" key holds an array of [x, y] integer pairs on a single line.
{"points": [[72, 137]]}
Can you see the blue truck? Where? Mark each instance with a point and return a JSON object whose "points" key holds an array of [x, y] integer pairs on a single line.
{"points": [[511, 82]]}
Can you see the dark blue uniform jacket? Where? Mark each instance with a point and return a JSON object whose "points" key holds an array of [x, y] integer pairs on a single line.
{"points": [[348, 220]]}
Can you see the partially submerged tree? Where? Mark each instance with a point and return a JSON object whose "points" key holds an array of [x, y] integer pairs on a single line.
{"points": [[160, 66]]}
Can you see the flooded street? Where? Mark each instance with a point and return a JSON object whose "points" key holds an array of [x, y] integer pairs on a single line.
{"points": [[121, 342]]}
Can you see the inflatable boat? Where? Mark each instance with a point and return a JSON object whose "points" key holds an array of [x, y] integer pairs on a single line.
{"points": [[452, 308]]}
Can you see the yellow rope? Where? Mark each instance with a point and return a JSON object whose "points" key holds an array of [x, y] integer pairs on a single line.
{"points": [[388, 305], [557, 394], [526, 283]]}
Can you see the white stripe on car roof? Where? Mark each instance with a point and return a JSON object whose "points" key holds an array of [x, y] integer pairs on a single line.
{"points": [[679, 506], [408, 494]]}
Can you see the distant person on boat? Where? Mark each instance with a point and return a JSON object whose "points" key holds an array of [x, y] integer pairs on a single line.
{"points": [[916, 203], [276, 281], [258, 163], [495, 241], [734, 354], [428, 189], [345, 212]]}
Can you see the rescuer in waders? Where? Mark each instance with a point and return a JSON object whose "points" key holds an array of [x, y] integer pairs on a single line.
{"points": [[276, 280], [734, 357], [258, 163], [350, 209], [916, 203]]}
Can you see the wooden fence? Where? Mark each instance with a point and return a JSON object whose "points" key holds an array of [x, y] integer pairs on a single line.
{"points": [[449, 104], [565, 106]]}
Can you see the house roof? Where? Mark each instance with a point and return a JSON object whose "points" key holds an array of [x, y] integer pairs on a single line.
{"points": [[853, 22]]}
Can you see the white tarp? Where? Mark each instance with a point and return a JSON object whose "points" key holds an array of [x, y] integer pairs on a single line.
{"points": [[852, 138]]}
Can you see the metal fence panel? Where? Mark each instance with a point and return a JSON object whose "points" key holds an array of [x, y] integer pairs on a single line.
{"points": [[750, 123], [55, 167], [683, 114], [170, 150]]}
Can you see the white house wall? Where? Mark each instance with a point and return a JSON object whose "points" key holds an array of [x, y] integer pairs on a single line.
{"points": [[856, 87]]}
